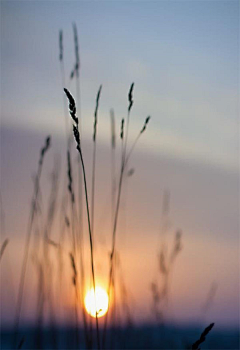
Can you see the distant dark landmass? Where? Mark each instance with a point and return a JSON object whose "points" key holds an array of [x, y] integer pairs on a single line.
{"points": [[135, 337]]}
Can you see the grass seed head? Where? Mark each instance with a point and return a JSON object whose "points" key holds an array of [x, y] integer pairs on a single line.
{"points": [[130, 97], [71, 106], [60, 45], [95, 114], [145, 124], [122, 129]]}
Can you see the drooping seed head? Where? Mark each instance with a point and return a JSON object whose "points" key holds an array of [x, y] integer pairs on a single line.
{"points": [[145, 124], [71, 106]]}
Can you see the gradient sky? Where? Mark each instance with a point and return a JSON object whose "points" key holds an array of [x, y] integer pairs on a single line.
{"points": [[184, 59]]}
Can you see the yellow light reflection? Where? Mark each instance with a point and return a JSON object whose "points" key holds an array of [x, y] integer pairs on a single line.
{"points": [[97, 303]]}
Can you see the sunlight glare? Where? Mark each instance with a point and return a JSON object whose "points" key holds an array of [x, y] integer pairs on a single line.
{"points": [[101, 302]]}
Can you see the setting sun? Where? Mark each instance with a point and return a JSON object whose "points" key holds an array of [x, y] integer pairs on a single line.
{"points": [[100, 305]]}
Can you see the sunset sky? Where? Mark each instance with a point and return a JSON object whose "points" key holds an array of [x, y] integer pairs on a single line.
{"points": [[184, 59]]}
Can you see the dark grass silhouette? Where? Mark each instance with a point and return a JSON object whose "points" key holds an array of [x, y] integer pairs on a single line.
{"points": [[72, 110], [28, 237], [202, 338], [124, 161], [94, 157]]}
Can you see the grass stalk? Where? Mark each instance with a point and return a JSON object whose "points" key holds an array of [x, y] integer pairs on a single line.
{"points": [[94, 170], [113, 190], [62, 69], [124, 147], [76, 73], [73, 255], [124, 161], [47, 265], [72, 109], [28, 240], [113, 162], [94, 158]]}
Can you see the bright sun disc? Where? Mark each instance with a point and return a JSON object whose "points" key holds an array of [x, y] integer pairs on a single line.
{"points": [[100, 303]]}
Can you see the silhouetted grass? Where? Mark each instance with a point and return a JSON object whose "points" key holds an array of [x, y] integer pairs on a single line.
{"points": [[124, 161], [72, 109], [74, 248], [28, 237], [166, 261], [94, 157], [195, 346]]}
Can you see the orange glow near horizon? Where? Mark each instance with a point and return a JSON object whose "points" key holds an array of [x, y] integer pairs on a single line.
{"points": [[98, 303]]}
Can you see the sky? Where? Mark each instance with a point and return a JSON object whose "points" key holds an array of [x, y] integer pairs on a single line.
{"points": [[183, 57]]}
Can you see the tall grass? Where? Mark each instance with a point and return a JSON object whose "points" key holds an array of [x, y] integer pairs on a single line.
{"points": [[28, 237], [94, 157], [49, 244], [124, 161], [113, 162], [75, 73], [72, 109], [73, 254], [62, 69]]}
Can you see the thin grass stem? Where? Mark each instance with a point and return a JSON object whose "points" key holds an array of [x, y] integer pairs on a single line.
{"points": [[28, 240]]}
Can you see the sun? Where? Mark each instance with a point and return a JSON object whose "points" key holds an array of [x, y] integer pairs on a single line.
{"points": [[97, 303]]}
